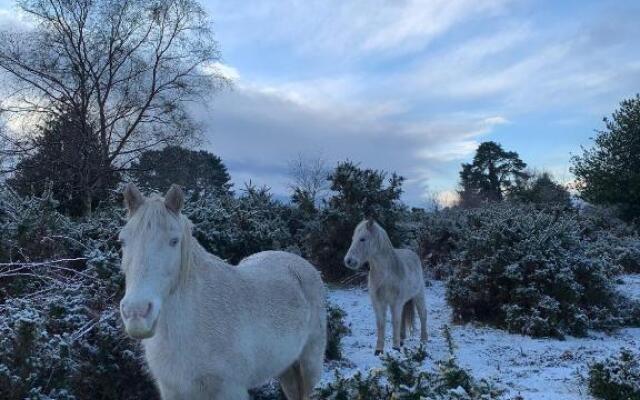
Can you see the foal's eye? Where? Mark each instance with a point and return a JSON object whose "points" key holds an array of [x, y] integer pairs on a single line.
{"points": [[362, 239], [173, 242]]}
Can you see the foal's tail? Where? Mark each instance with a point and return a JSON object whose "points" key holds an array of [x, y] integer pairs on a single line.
{"points": [[409, 316]]}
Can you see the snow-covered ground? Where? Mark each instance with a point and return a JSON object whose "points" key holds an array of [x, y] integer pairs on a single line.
{"points": [[534, 368]]}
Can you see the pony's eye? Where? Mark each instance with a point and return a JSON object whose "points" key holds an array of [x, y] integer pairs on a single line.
{"points": [[362, 239], [173, 242]]}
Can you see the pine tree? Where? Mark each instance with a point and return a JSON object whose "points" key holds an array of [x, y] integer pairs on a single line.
{"points": [[493, 174], [67, 162]]}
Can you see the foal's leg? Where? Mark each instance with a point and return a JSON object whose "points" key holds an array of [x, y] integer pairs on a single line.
{"points": [[396, 320], [403, 331], [380, 308], [421, 305]]}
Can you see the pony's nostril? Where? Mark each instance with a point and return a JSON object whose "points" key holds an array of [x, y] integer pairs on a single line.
{"points": [[147, 311], [137, 311]]}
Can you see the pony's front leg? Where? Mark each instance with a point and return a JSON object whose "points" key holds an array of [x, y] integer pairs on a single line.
{"points": [[380, 309], [422, 313], [396, 321]]}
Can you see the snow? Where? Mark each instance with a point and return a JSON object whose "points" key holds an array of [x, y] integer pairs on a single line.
{"points": [[533, 368]]}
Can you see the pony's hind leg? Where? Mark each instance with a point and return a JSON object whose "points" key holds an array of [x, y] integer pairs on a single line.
{"points": [[292, 382], [299, 380], [408, 314]]}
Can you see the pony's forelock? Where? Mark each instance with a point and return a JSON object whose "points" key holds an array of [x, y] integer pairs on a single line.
{"points": [[153, 214], [379, 234]]}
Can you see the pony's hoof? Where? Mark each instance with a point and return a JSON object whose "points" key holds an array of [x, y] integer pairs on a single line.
{"points": [[377, 352], [396, 348], [402, 343]]}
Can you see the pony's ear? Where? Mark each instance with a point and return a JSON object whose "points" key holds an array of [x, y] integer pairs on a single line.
{"points": [[174, 199], [133, 199], [370, 223]]}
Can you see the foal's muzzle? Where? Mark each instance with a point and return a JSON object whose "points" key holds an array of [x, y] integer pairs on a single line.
{"points": [[351, 263]]}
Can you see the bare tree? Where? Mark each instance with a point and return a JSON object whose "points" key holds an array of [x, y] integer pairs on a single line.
{"points": [[309, 178], [127, 68]]}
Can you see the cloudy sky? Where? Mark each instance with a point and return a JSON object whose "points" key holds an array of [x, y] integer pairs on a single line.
{"points": [[414, 86]]}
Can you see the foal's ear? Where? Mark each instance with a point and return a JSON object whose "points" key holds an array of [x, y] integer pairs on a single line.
{"points": [[133, 199], [370, 223], [174, 199]]}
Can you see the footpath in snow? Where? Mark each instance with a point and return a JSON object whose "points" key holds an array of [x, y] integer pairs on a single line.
{"points": [[534, 368]]}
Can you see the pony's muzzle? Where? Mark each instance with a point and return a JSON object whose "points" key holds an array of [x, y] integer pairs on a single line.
{"points": [[351, 263], [139, 318]]}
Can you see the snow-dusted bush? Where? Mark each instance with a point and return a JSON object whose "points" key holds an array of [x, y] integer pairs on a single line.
{"points": [[441, 235], [356, 193], [27, 226], [403, 377], [234, 228], [530, 271], [616, 378], [610, 239], [57, 346], [336, 330], [270, 391], [438, 239], [60, 330]]}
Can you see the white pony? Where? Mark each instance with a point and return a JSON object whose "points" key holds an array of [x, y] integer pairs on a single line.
{"points": [[212, 330], [395, 281]]}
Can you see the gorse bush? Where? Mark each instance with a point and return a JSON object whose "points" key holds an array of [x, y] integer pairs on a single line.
{"points": [[529, 271], [336, 330], [234, 228], [59, 322], [441, 236], [403, 377], [617, 378], [60, 347], [438, 236], [356, 193]]}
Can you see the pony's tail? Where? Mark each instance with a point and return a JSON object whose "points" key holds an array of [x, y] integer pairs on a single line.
{"points": [[409, 316]]}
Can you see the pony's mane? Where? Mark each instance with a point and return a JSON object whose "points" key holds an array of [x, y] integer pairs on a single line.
{"points": [[379, 234]]}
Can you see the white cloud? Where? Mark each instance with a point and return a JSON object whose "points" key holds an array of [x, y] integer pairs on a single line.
{"points": [[13, 18], [421, 21], [223, 71], [257, 130], [524, 69], [349, 28]]}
